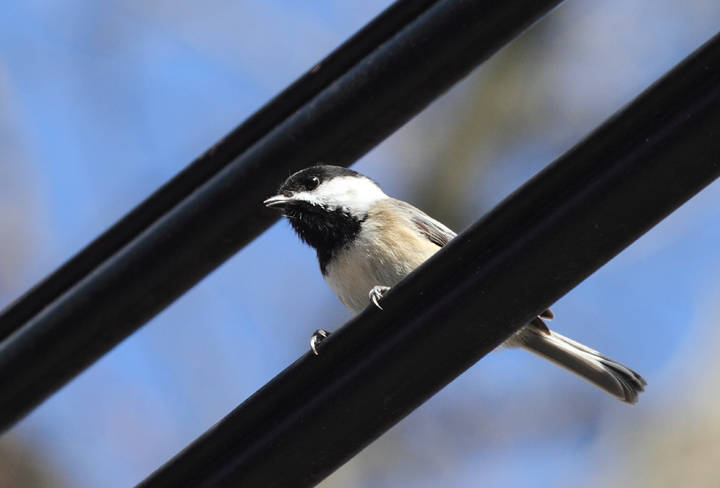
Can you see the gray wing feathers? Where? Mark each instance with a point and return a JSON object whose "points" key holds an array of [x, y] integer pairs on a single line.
{"points": [[433, 230]]}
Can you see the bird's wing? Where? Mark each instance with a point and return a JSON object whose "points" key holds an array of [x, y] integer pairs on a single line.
{"points": [[440, 235], [433, 230]]}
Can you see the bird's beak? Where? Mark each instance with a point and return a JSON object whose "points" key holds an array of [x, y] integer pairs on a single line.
{"points": [[278, 201]]}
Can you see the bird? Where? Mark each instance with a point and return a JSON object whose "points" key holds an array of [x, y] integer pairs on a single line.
{"points": [[366, 242]]}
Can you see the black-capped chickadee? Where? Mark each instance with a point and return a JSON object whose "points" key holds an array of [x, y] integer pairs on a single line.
{"points": [[366, 242]]}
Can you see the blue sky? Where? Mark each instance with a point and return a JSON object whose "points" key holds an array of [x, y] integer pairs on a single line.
{"points": [[101, 102]]}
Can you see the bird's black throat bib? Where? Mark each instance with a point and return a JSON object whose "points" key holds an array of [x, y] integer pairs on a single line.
{"points": [[325, 230]]}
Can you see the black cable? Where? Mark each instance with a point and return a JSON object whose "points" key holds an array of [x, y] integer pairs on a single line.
{"points": [[344, 121], [555, 231], [387, 24]]}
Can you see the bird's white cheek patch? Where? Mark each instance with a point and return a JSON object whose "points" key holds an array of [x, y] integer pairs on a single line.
{"points": [[306, 196], [356, 195]]}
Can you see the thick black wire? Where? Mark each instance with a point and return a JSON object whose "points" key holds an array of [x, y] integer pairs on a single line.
{"points": [[555, 231], [340, 124], [178, 189]]}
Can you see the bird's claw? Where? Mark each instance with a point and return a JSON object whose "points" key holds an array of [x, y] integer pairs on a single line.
{"points": [[547, 315], [377, 293], [320, 335], [317, 338]]}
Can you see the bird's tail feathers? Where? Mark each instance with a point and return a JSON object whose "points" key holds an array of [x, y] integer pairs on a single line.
{"points": [[600, 371]]}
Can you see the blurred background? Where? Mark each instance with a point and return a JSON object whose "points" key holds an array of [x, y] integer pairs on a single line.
{"points": [[102, 101]]}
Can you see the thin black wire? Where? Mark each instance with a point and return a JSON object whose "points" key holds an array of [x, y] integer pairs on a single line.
{"points": [[339, 125], [555, 231]]}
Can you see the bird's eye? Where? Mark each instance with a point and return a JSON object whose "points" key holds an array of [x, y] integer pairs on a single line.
{"points": [[313, 183]]}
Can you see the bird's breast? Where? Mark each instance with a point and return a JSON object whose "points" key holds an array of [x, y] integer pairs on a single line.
{"points": [[385, 251]]}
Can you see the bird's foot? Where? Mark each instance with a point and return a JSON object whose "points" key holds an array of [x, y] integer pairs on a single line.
{"points": [[377, 293], [317, 338]]}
